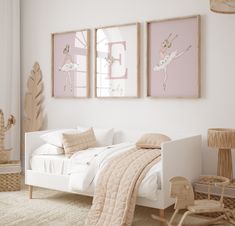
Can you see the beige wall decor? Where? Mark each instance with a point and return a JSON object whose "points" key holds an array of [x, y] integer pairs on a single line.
{"points": [[33, 101], [4, 153]]}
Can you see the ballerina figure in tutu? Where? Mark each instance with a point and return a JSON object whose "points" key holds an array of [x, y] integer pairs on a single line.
{"points": [[167, 56], [67, 67]]}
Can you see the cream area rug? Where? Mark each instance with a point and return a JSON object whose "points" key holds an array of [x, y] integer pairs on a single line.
{"points": [[53, 208]]}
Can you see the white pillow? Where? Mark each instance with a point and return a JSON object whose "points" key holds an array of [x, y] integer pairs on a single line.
{"points": [[56, 137], [104, 137], [48, 149]]}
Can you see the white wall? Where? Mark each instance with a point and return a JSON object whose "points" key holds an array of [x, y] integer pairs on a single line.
{"points": [[216, 108], [10, 71]]}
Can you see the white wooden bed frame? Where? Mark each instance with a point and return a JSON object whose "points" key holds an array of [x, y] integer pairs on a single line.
{"points": [[180, 157]]}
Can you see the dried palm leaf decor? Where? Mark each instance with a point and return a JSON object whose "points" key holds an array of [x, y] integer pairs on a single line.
{"points": [[33, 100]]}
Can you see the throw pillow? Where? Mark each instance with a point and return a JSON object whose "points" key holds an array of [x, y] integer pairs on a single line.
{"points": [[79, 141], [152, 140]]}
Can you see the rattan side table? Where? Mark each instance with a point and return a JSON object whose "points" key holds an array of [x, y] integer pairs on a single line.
{"points": [[10, 178]]}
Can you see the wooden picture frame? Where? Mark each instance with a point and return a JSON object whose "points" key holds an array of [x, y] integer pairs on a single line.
{"points": [[173, 58], [71, 64], [117, 61]]}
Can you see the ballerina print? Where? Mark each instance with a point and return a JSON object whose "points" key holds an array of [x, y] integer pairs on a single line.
{"points": [[67, 67], [167, 56]]}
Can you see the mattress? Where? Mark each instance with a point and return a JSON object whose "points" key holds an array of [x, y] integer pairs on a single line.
{"points": [[52, 164], [62, 165]]}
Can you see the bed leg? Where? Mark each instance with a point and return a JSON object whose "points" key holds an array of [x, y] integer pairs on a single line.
{"points": [[161, 215], [30, 191]]}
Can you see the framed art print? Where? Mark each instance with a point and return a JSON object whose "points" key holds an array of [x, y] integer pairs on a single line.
{"points": [[70, 64], [117, 61], [173, 57]]}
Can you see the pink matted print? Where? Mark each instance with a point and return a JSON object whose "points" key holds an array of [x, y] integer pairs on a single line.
{"points": [[173, 55], [70, 64]]}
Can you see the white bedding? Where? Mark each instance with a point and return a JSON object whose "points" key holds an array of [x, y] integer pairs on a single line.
{"points": [[85, 166], [52, 164]]}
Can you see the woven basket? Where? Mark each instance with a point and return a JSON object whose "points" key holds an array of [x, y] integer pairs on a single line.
{"points": [[10, 178]]}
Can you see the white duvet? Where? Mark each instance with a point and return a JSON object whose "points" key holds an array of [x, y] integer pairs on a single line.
{"points": [[85, 167]]}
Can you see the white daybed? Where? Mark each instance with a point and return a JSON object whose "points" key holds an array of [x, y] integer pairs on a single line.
{"points": [[180, 157]]}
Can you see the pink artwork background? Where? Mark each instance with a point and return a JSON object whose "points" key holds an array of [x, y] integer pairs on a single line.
{"points": [[182, 72], [78, 76]]}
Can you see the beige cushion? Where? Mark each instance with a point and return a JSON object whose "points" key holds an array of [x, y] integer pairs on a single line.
{"points": [[152, 140], [79, 141]]}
